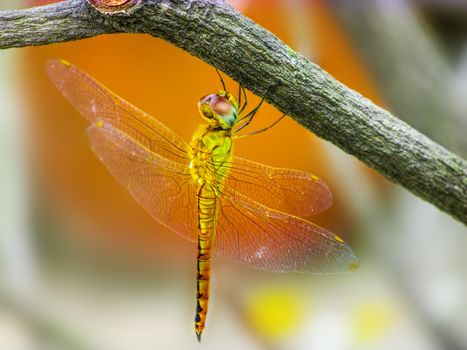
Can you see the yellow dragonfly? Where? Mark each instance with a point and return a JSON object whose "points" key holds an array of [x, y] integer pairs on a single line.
{"points": [[244, 211]]}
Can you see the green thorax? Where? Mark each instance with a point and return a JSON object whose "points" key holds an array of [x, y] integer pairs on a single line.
{"points": [[210, 157]]}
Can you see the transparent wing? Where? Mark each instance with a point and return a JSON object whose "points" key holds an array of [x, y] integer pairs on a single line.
{"points": [[286, 190], [247, 232], [151, 162], [252, 234], [159, 185], [98, 104]]}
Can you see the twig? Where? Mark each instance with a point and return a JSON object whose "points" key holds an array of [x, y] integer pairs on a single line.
{"points": [[221, 36]]}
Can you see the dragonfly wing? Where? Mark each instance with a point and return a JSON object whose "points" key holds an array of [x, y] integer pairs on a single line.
{"points": [[96, 103], [263, 238], [159, 185], [285, 190]]}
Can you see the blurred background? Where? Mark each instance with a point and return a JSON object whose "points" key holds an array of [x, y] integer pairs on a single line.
{"points": [[84, 267]]}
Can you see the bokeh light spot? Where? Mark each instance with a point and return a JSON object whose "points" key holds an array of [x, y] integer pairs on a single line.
{"points": [[372, 321], [276, 313]]}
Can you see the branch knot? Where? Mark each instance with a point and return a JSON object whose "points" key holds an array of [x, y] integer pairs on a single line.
{"points": [[111, 7]]}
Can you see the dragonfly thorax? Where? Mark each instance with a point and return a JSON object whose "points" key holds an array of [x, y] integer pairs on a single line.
{"points": [[211, 153]]}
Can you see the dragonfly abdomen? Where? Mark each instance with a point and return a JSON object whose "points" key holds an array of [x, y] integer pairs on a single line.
{"points": [[207, 206]]}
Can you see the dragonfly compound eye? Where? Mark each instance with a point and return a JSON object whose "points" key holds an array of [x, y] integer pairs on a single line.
{"points": [[221, 105], [215, 104]]}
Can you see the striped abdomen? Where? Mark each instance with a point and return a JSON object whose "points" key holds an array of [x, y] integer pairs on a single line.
{"points": [[207, 207]]}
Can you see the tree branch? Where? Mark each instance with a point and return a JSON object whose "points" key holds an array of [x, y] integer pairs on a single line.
{"points": [[221, 36], [410, 70]]}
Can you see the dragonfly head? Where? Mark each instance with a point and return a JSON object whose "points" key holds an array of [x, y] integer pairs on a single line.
{"points": [[220, 110]]}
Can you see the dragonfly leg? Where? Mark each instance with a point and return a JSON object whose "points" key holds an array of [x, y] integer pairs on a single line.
{"points": [[250, 115], [241, 91], [260, 130], [222, 80]]}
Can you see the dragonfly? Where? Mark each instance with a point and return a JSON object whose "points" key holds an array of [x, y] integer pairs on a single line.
{"points": [[244, 211]]}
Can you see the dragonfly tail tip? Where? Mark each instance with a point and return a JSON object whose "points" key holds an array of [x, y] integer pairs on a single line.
{"points": [[198, 335]]}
